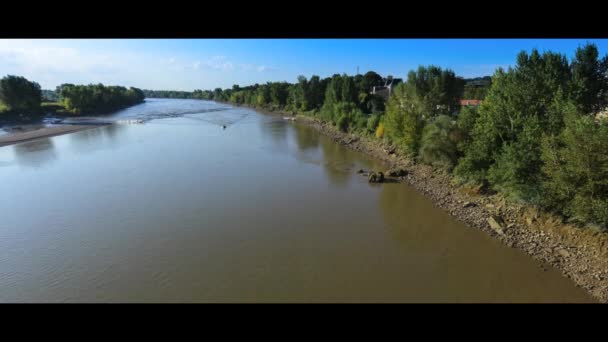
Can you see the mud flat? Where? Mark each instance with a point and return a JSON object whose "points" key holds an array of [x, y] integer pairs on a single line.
{"points": [[21, 134]]}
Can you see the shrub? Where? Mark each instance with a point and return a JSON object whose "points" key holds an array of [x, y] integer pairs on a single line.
{"points": [[380, 131], [575, 171], [343, 123], [438, 147], [372, 123]]}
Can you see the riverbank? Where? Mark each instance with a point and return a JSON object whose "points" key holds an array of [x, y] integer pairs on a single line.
{"points": [[580, 254], [23, 133]]}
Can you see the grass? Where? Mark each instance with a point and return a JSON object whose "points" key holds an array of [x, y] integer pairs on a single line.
{"points": [[56, 107]]}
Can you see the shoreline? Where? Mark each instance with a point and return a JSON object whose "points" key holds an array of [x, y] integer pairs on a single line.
{"points": [[44, 132], [579, 254]]}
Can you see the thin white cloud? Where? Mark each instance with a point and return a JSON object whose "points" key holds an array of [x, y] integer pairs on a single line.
{"points": [[219, 63], [51, 63], [55, 59], [258, 68]]}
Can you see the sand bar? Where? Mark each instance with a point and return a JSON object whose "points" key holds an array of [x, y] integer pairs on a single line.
{"points": [[44, 132]]}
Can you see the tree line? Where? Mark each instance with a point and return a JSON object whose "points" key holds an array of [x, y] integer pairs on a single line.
{"points": [[169, 94], [97, 98], [535, 138], [20, 96]]}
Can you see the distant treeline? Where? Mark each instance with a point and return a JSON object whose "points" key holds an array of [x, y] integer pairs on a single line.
{"points": [[537, 137], [97, 98], [169, 94], [19, 96]]}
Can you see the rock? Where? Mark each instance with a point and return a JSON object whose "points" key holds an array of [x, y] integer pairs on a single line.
{"points": [[495, 225], [467, 204], [375, 177], [361, 171], [396, 173], [564, 253], [372, 177]]}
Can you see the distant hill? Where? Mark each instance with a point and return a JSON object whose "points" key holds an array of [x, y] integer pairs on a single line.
{"points": [[476, 88], [484, 81]]}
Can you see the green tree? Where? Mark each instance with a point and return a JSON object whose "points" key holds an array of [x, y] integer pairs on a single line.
{"points": [[590, 79], [20, 95], [439, 89], [439, 141], [575, 170], [404, 119], [370, 80], [522, 103]]}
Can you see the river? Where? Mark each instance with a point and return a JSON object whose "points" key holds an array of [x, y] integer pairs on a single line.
{"points": [[181, 209]]}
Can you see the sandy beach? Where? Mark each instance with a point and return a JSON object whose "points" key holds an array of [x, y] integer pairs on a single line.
{"points": [[43, 132]]}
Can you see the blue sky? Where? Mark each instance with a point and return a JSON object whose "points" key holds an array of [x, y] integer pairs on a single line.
{"points": [[187, 64]]}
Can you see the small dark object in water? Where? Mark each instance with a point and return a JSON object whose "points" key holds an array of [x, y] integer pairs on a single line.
{"points": [[361, 171], [376, 177], [223, 126]]}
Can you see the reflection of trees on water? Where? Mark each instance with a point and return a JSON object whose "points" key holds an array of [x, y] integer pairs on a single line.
{"points": [[35, 153], [337, 162], [96, 138], [306, 137], [413, 221], [276, 130]]}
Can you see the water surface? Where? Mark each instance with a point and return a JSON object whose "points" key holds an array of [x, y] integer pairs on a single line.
{"points": [[179, 209]]}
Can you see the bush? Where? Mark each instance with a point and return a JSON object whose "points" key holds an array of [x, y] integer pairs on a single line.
{"points": [[466, 122], [343, 123], [380, 131], [372, 123], [575, 170], [438, 146]]}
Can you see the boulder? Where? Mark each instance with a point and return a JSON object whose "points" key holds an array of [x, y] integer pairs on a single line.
{"points": [[396, 173], [376, 177], [372, 178], [496, 224], [467, 204], [564, 253]]}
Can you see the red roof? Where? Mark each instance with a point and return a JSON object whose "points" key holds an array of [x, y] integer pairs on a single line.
{"points": [[470, 102]]}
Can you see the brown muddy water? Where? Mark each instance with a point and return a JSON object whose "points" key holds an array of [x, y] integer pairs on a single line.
{"points": [[179, 209]]}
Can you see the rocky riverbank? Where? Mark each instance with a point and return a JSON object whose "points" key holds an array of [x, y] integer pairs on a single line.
{"points": [[580, 254]]}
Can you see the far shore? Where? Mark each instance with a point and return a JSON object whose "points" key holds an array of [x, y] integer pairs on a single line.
{"points": [[42, 132]]}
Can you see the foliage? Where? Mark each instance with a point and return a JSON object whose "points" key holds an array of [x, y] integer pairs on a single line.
{"points": [[575, 170], [17, 94], [380, 130], [438, 146], [97, 98], [504, 149], [404, 118]]}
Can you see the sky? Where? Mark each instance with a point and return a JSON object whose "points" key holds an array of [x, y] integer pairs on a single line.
{"points": [[188, 64]]}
